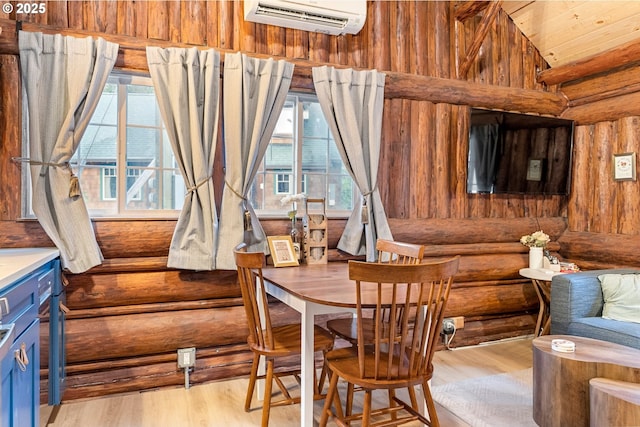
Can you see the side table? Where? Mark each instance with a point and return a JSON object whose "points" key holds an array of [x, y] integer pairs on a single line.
{"points": [[561, 380], [541, 280]]}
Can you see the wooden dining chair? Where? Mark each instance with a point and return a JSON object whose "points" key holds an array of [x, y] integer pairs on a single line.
{"points": [[400, 355], [390, 252], [272, 342]]}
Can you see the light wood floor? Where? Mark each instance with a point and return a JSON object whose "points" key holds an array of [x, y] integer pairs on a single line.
{"points": [[221, 403]]}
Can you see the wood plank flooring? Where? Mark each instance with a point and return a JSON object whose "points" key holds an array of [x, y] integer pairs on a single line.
{"points": [[221, 403]]}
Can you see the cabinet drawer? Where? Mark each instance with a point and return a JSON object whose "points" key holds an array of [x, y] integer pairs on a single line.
{"points": [[23, 301]]}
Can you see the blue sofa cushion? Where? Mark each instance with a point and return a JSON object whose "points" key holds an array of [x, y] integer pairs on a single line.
{"points": [[625, 333]]}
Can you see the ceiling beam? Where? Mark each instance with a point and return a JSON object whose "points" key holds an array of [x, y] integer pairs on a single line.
{"points": [[485, 24], [464, 10], [625, 54]]}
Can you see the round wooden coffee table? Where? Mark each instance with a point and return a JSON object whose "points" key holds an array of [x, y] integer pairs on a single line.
{"points": [[561, 380]]}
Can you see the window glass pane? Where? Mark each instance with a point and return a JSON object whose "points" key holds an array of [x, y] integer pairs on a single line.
{"points": [[321, 171], [148, 179], [315, 124], [142, 108]]}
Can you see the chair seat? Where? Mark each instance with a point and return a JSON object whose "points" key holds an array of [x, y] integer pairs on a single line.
{"points": [[287, 338], [344, 362]]}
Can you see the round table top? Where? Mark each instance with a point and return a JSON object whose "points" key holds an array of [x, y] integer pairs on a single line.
{"points": [[538, 273], [591, 350]]}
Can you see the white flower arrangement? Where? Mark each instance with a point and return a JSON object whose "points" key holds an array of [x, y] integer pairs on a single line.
{"points": [[292, 198], [535, 240]]}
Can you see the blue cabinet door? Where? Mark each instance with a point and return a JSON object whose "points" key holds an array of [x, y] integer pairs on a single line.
{"points": [[21, 380]]}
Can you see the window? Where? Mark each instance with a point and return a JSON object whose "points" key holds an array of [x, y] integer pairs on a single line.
{"points": [[124, 162], [302, 158]]}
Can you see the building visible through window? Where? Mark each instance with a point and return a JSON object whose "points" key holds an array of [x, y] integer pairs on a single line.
{"points": [[124, 162], [302, 158]]}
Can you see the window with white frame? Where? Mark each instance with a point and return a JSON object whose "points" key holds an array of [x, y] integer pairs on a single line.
{"points": [[302, 158], [124, 162]]}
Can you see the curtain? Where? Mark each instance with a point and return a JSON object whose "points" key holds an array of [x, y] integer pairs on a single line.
{"points": [[352, 103], [254, 93], [187, 86], [63, 78], [484, 151]]}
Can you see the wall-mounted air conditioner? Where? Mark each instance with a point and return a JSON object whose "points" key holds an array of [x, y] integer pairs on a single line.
{"points": [[329, 17]]}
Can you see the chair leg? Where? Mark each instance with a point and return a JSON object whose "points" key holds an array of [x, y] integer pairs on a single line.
{"points": [[392, 403], [366, 409], [412, 397], [266, 403], [252, 382], [431, 407], [326, 409], [348, 406]]}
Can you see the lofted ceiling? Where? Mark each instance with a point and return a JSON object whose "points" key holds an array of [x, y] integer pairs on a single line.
{"points": [[569, 31]]}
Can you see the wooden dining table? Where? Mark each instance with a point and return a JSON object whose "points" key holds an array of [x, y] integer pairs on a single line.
{"points": [[312, 290]]}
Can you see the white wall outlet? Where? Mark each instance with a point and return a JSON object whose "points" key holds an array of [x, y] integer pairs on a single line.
{"points": [[186, 357]]}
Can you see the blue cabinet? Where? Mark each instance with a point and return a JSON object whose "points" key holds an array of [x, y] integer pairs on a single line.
{"points": [[21, 380], [20, 298]]}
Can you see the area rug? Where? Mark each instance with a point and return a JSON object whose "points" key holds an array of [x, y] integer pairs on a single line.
{"points": [[491, 401]]}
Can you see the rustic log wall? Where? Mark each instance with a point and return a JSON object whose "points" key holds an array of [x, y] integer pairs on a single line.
{"points": [[128, 316]]}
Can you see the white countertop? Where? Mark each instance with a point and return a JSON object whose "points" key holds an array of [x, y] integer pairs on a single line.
{"points": [[15, 263]]}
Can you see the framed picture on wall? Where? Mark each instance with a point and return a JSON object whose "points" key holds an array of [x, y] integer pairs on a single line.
{"points": [[624, 167], [282, 251]]}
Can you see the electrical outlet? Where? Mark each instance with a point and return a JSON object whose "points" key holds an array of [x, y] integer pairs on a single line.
{"points": [[452, 324], [186, 357]]}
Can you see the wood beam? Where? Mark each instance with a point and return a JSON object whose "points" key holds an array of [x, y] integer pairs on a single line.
{"points": [[464, 10], [132, 56], [485, 24], [620, 56]]}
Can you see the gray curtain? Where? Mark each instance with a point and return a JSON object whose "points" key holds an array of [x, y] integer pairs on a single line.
{"points": [[484, 151], [352, 103], [63, 78], [187, 86], [254, 93]]}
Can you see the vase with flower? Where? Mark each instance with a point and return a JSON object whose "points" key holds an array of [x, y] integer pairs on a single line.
{"points": [[536, 242], [295, 231]]}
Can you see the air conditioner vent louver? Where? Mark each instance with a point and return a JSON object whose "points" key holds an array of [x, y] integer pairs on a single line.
{"points": [[281, 12], [334, 17]]}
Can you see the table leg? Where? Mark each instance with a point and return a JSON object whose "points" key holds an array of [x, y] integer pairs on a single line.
{"points": [[307, 369], [536, 286]]}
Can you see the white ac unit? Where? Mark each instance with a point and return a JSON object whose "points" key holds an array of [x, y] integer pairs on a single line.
{"points": [[329, 17]]}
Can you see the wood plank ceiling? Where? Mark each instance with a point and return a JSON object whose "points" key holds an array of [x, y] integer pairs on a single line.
{"points": [[570, 31]]}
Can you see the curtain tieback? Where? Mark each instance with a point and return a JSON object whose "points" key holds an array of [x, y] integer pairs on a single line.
{"points": [[364, 213], [74, 184], [247, 215], [193, 188]]}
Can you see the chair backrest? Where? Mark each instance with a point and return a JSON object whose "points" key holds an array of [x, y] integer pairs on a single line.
{"points": [[414, 338], [399, 252], [249, 266]]}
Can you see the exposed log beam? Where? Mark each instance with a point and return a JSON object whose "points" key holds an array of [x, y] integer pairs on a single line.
{"points": [[605, 110], [618, 57], [619, 82], [464, 10], [132, 56], [487, 19]]}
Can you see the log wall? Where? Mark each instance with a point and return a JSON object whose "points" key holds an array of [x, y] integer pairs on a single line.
{"points": [[128, 316]]}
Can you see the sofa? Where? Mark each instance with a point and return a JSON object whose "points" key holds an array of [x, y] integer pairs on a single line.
{"points": [[576, 309]]}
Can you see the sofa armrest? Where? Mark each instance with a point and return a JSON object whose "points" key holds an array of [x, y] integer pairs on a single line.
{"points": [[575, 296]]}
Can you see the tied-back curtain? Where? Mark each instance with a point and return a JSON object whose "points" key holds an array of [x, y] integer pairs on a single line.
{"points": [[187, 86], [352, 103], [63, 78], [254, 93]]}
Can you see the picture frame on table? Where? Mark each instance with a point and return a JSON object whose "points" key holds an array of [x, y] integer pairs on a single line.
{"points": [[624, 166], [282, 251]]}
